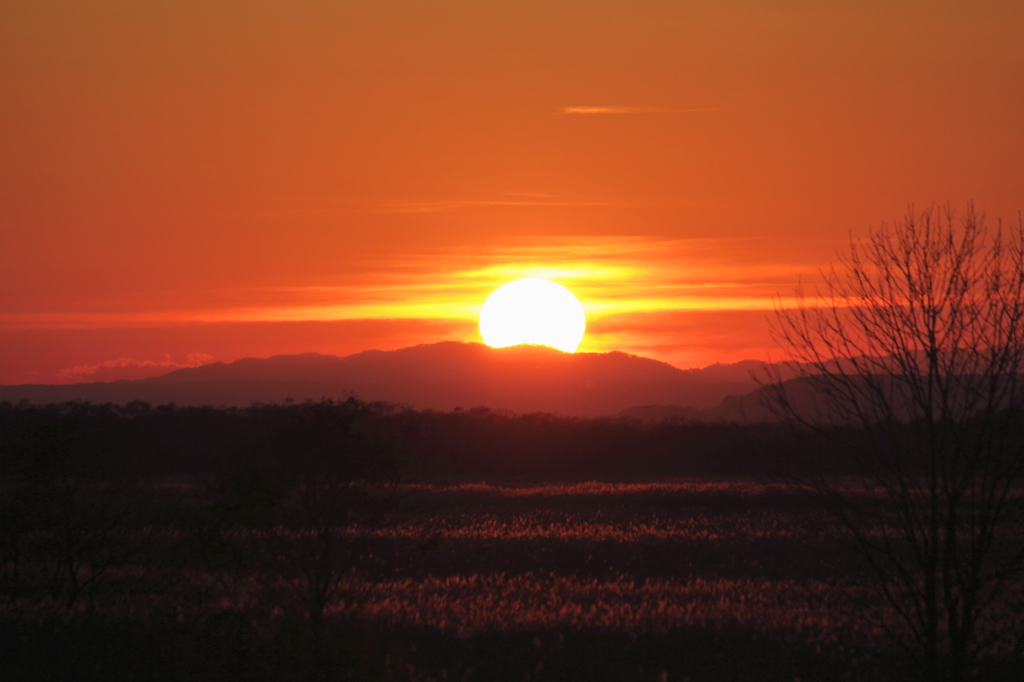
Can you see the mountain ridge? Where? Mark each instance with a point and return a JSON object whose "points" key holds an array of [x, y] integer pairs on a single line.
{"points": [[439, 376]]}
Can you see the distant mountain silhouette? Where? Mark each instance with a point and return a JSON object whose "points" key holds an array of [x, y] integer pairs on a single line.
{"points": [[441, 376], [657, 413]]}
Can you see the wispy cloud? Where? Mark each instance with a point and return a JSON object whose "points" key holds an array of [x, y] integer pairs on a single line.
{"points": [[130, 368], [611, 276], [457, 204], [615, 109], [342, 205], [686, 301]]}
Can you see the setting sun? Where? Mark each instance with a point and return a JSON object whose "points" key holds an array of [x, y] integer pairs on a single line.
{"points": [[532, 310]]}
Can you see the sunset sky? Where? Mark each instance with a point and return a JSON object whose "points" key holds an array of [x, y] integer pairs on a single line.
{"points": [[190, 181]]}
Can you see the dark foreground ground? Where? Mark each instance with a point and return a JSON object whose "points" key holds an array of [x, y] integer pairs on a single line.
{"points": [[507, 580]]}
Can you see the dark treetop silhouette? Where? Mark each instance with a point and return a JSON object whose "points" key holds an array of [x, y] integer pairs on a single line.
{"points": [[917, 341]]}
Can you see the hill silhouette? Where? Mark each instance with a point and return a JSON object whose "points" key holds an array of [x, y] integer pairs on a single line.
{"points": [[440, 376]]}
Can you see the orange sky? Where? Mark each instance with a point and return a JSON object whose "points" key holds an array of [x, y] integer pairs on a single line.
{"points": [[190, 180]]}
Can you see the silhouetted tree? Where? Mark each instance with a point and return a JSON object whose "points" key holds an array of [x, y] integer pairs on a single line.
{"points": [[918, 340], [69, 511], [301, 506]]}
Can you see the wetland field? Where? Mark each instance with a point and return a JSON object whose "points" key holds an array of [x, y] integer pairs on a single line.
{"points": [[276, 561], [502, 580]]}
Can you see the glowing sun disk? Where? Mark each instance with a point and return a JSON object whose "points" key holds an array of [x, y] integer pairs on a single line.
{"points": [[532, 310]]}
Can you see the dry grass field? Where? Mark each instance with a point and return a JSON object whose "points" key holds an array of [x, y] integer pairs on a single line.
{"points": [[504, 580]]}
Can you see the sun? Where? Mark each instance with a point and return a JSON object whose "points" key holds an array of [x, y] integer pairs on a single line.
{"points": [[532, 310]]}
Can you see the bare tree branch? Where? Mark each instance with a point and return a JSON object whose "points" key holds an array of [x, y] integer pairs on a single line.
{"points": [[917, 339]]}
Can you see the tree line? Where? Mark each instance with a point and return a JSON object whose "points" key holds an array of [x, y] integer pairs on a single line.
{"points": [[352, 438]]}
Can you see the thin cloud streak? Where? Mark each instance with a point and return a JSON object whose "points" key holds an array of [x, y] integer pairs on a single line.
{"points": [[333, 205], [454, 205], [517, 200], [630, 110], [130, 368], [610, 275]]}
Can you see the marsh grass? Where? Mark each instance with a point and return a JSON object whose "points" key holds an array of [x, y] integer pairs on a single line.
{"points": [[500, 580]]}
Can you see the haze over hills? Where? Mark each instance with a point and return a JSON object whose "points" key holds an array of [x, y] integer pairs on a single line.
{"points": [[440, 376]]}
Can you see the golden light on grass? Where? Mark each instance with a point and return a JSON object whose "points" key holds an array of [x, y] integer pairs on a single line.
{"points": [[532, 310]]}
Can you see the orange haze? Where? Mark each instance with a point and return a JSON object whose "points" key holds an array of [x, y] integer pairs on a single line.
{"points": [[185, 181]]}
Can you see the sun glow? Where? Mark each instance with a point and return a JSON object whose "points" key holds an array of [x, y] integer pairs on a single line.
{"points": [[532, 310]]}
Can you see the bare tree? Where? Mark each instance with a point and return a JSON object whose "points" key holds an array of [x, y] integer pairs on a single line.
{"points": [[303, 508], [69, 509], [916, 340]]}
